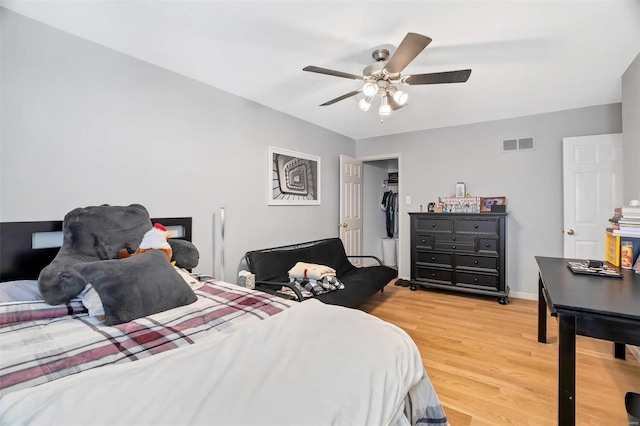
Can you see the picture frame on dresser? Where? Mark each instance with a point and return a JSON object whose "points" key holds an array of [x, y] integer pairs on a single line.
{"points": [[487, 202]]}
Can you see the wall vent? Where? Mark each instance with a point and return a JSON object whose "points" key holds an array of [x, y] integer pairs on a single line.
{"points": [[522, 144], [510, 145]]}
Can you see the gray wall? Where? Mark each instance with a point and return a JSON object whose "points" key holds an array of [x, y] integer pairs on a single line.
{"points": [[85, 125], [434, 160], [631, 131]]}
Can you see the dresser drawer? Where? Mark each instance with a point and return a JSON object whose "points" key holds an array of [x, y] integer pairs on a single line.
{"points": [[484, 226], [455, 246], [423, 241], [479, 281], [465, 261], [455, 238], [436, 224], [442, 276], [426, 258], [487, 245]]}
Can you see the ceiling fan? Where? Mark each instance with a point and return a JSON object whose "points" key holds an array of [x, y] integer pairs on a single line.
{"points": [[381, 77]]}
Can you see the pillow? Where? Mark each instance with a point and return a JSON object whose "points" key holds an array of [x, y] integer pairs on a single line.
{"points": [[136, 286], [91, 299], [19, 291], [194, 283]]}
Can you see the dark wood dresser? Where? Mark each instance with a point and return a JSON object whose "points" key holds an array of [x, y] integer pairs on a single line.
{"points": [[463, 252]]}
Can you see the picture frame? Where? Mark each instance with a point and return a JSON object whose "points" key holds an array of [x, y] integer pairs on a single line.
{"points": [[461, 190], [487, 202], [293, 178]]}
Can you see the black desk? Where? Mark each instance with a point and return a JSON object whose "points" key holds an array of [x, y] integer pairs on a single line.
{"points": [[593, 306]]}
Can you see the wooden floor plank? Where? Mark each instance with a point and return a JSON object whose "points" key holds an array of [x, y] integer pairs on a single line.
{"points": [[488, 368]]}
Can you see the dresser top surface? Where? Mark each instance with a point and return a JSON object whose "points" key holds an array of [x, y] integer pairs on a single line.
{"points": [[428, 214]]}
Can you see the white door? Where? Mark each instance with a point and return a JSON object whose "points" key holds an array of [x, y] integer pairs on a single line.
{"points": [[592, 174], [351, 206]]}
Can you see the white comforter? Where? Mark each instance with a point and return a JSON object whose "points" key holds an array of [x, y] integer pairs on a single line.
{"points": [[311, 364]]}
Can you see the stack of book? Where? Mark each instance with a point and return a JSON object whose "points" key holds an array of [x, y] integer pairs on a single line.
{"points": [[613, 222], [629, 223]]}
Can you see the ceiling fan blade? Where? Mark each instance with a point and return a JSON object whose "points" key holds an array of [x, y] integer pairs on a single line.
{"points": [[406, 52], [392, 103], [459, 76], [319, 70], [340, 98]]}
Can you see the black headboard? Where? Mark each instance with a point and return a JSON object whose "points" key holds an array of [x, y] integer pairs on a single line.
{"points": [[19, 260]]}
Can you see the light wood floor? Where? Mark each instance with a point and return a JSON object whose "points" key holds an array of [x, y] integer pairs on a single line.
{"points": [[488, 368]]}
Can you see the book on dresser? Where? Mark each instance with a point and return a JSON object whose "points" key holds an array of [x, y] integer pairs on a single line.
{"points": [[462, 252], [628, 222]]}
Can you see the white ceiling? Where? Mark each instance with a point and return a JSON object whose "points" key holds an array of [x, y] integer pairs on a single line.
{"points": [[527, 57]]}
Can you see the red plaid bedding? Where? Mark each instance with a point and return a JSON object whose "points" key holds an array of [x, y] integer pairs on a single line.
{"points": [[41, 343]]}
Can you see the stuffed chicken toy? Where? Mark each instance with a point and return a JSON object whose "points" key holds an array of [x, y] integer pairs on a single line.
{"points": [[155, 239]]}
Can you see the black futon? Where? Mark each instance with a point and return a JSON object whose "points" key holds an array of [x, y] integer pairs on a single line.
{"points": [[271, 267]]}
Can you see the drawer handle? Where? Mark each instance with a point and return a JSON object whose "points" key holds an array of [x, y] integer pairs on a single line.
{"points": [[475, 226], [433, 275], [454, 238], [488, 244], [475, 280], [475, 262], [424, 241], [433, 258], [433, 225], [454, 247]]}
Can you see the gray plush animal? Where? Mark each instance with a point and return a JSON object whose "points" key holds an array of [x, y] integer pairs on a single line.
{"points": [[99, 233]]}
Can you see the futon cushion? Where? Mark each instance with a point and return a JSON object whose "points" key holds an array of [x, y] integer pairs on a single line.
{"points": [[272, 265], [136, 286], [359, 283]]}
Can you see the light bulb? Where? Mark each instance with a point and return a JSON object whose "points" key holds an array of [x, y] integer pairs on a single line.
{"points": [[365, 103], [370, 89], [385, 108], [400, 97]]}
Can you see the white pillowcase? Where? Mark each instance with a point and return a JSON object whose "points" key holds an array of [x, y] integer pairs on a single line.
{"points": [[193, 282], [91, 299], [19, 291]]}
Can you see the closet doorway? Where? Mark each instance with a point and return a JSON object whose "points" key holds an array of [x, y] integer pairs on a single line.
{"points": [[382, 209]]}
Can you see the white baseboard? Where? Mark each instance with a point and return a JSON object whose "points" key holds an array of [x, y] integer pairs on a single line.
{"points": [[523, 295]]}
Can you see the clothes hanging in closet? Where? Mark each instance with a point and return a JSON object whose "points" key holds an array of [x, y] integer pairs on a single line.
{"points": [[390, 207]]}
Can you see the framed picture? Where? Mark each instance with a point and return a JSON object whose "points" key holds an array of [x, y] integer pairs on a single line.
{"points": [[293, 178], [487, 202], [461, 190]]}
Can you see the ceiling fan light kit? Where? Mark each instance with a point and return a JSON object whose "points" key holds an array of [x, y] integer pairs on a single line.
{"points": [[381, 77]]}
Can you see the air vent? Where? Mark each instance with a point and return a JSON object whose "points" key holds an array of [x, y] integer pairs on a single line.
{"points": [[510, 145], [521, 144]]}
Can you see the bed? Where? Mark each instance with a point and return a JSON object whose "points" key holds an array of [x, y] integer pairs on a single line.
{"points": [[234, 356]]}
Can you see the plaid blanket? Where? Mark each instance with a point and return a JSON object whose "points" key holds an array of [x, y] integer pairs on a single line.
{"points": [[316, 287], [41, 343]]}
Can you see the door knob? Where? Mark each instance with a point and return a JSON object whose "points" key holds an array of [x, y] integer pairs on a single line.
{"points": [[570, 232], [344, 225]]}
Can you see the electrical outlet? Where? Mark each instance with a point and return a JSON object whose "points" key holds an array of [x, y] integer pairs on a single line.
{"points": [[407, 199]]}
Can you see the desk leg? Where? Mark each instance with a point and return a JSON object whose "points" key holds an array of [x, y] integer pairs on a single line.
{"points": [[619, 350], [567, 370], [542, 313]]}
